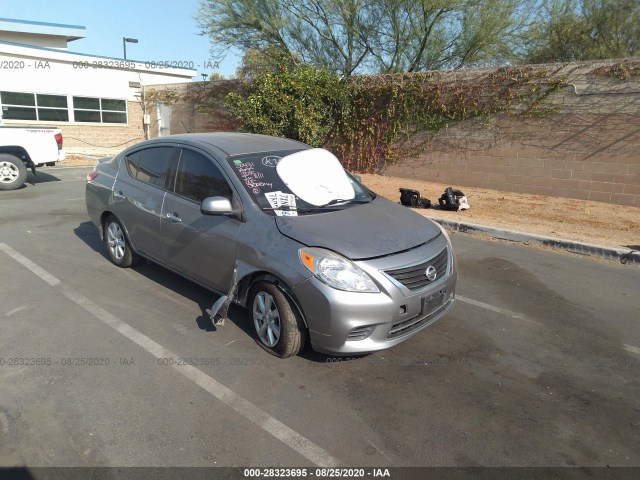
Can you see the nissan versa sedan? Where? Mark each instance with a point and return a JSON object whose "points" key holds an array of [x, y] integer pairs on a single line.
{"points": [[282, 229]]}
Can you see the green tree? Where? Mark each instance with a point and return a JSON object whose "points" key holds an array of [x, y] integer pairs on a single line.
{"points": [[573, 30], [258, 61], [325, 33], [215, 76], [424, 35], [301, 104], [614, 27], [357, 36]]}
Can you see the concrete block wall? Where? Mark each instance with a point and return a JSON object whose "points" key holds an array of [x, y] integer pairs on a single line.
{"points": [[589, 148], [101, 140], [514, 167]]}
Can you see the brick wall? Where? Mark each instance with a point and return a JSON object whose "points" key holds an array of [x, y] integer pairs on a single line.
{"points": [[588, 149], [605, 168], [104, 139]]}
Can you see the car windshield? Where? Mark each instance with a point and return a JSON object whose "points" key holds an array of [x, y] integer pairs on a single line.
{"points": [[308, 182]]}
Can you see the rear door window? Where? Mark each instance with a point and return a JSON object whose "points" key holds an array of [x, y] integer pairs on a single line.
{"points": [[198, 177], [153, 165], [131, 161]]}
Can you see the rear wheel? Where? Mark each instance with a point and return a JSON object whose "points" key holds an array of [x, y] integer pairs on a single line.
{"points": [[117, 245], [276, 324], [13, 172]]}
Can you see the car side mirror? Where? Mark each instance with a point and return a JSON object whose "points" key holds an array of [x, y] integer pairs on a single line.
{"points": [[216, 206]]}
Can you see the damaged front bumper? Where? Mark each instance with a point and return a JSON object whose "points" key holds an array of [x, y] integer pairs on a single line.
{"points": [[343, 323]]}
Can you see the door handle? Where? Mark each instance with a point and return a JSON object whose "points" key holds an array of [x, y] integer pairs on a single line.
{"points": [[173, 217], [118, 195]]}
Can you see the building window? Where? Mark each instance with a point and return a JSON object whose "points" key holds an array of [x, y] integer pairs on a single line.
{"points": [[99, 110], [60, 108], [52, 108], [31, 106]]}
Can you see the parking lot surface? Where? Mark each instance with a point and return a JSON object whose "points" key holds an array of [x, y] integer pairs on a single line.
{"points": [[538, 364]]}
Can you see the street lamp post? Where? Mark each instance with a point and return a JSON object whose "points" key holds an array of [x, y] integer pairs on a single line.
{"points": [[126, 40]]}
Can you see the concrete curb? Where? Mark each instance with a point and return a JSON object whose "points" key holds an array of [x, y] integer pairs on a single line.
{"points": [[624, 255]]}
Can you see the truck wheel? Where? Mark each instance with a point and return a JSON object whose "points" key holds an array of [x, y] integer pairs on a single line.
{"points": [[13, 172], [275, 322], [117, 245]]}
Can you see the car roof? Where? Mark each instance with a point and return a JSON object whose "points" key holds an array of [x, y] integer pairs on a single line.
{"points": [[233, 143]]}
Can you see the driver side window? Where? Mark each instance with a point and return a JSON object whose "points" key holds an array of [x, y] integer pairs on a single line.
{"points": [[198, 178]]}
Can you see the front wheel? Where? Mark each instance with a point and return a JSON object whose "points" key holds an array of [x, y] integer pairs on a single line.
{"points": [[13, 172], [117, 245], [276, 325]]}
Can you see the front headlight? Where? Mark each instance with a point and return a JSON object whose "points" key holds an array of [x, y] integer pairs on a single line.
{"points": [[336, 271], [446, 235]]}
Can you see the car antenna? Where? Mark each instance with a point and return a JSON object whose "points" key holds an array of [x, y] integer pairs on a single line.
{"points": [[185, 127]]}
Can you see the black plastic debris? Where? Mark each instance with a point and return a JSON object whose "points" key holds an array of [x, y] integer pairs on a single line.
{"points": [[411, 198], [453, 199]]}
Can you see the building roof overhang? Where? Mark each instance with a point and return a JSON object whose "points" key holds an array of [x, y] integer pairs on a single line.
{"points": [[70, 32]]}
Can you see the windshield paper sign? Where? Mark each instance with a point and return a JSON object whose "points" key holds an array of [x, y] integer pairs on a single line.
{"points": [[278, 199]]}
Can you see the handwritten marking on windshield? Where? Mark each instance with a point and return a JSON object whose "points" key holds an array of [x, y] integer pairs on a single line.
{"points": [[270, 160], [251, 178]]}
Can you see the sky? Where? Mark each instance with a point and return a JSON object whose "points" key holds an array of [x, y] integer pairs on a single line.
{"points": [[166, 29]]}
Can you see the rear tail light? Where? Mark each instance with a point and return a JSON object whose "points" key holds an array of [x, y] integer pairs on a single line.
{"points": [[59, 140], [91, 176]]}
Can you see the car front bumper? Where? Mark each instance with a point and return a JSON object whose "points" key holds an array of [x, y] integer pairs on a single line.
{"points": [[346, 323]]}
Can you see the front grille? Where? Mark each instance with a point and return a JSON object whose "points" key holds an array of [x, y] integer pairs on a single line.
{"points": [[415, 277], [407, 326]]}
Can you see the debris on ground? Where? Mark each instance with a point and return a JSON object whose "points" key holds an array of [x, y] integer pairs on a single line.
{"points": [[579, 220]]}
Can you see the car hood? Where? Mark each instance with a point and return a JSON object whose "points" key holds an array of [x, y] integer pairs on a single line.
{"points": [[373, 229]]}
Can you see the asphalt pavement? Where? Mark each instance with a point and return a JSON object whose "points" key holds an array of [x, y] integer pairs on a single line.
{"points": [[537, 365]]}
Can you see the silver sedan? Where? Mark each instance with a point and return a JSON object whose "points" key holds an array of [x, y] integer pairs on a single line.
{"points": [[279, 228]]}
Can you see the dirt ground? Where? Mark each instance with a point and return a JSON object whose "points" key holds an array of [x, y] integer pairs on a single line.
{"points": [[579, 220]]}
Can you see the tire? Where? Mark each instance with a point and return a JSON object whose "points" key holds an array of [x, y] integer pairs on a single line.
{"points": [[50, 164], [285, 333], [117, 245], [13, 172]]}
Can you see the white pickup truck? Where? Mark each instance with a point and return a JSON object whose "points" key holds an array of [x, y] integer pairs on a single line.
{"points": [[27, 147]]}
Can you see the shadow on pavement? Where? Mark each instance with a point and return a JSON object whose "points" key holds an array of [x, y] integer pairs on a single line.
{"points": [[15, 473], [88, 233], [204, 298], [40, 177]]}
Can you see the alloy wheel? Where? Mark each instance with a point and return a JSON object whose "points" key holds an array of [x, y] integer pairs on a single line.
{"points": [[115, 240], [266, 319]]}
